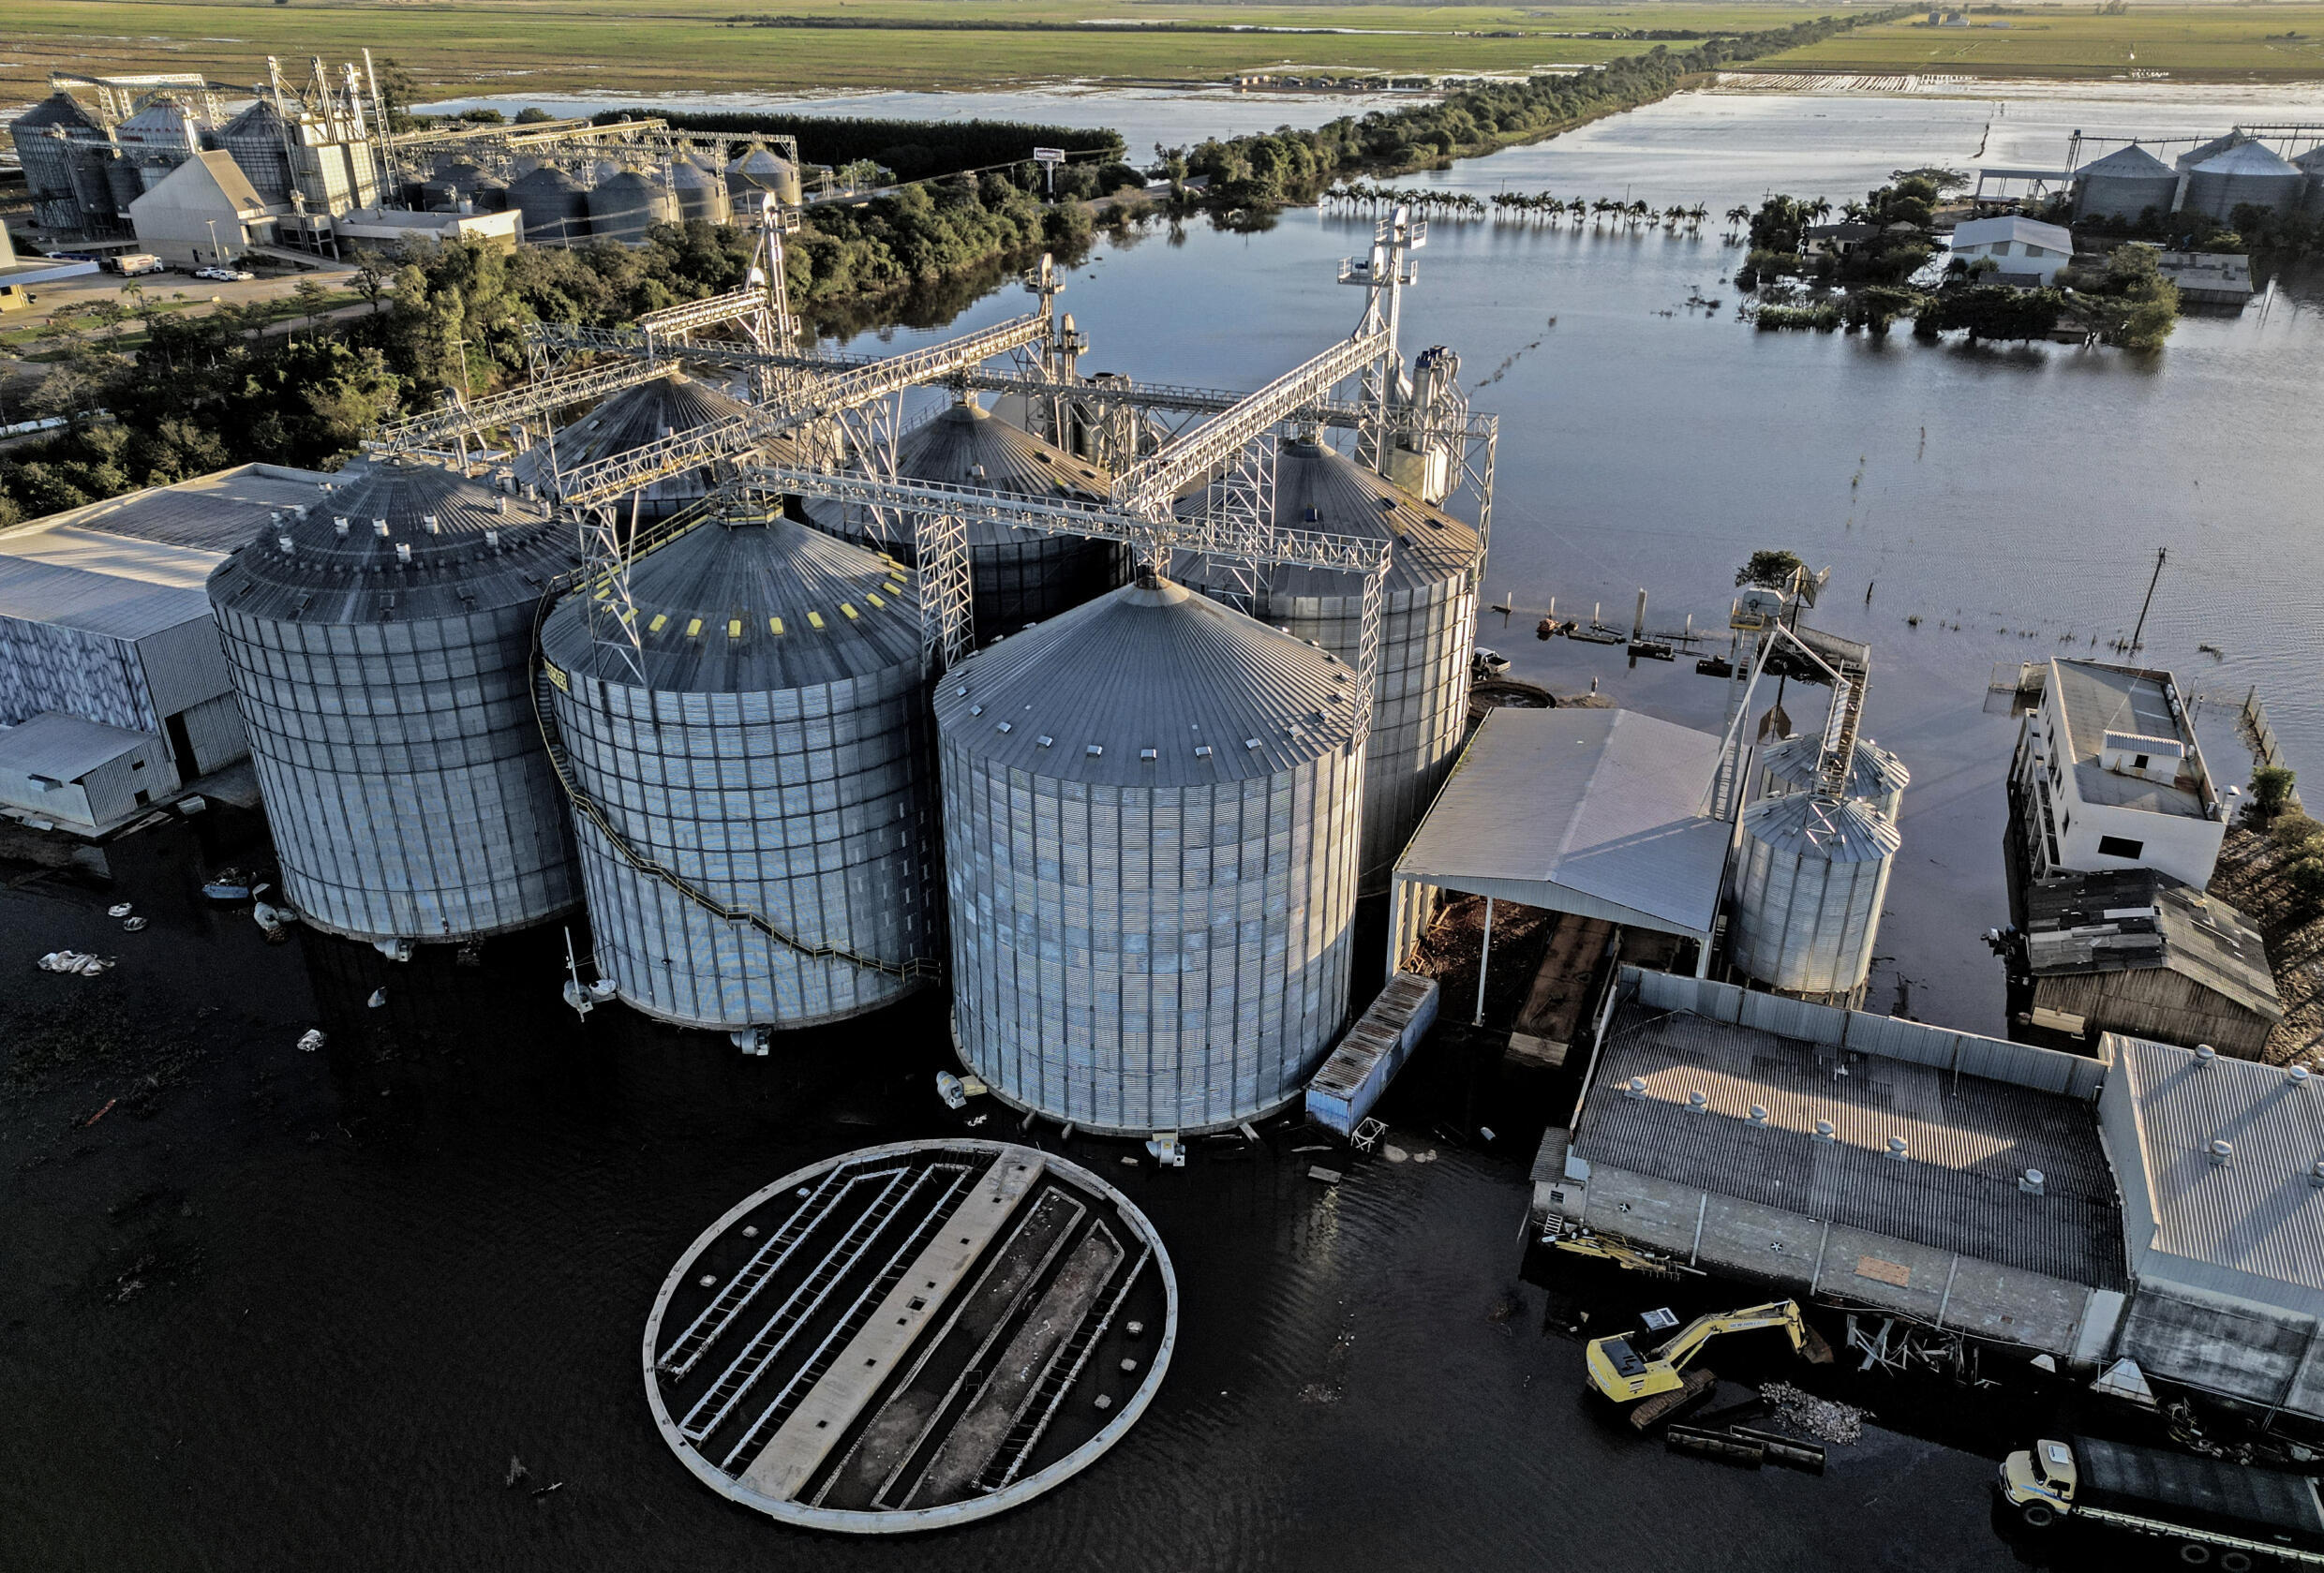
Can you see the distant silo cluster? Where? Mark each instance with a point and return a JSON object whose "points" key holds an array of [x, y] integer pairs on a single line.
{"points": [[1016, 578], [381, 646], [1428, 624], [1152, 813], [757, 835]]}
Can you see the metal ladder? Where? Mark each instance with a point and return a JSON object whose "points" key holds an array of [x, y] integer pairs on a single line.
{"points": [[803, 1380], [738, 1376], [741, 1288]]}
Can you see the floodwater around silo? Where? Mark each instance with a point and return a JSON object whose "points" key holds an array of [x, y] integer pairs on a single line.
{"points": [[263, 1309]]}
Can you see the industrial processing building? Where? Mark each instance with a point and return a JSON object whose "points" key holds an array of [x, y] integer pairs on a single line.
{"points": [[2153, 1203], [103, 619]]}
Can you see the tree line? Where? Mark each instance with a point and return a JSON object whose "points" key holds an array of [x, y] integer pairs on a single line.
{"points": [[914, 149]]}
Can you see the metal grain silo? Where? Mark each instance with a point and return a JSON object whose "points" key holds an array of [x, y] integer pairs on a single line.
{"points": [[255, 140], [635, 416], [776, 761], [1152, 809], [157, 139], [555, 208], [2311, 166], [1428, 627], [1018, 576], [1810, 875], [2124, 184], [65, 150], [1877, 777], [759, 170], [700, 192], [455, 181], [2246, 174], [627, 203], [380, 648]]}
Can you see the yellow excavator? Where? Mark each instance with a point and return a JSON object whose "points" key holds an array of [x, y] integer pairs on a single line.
{"points": [[1655, 1384]]}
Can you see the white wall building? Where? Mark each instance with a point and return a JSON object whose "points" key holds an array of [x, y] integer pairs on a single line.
{"points": [[2108, 774], [387, 225], [2027, 252], [205, 213]]}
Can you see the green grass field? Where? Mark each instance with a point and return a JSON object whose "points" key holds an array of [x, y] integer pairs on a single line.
{"points": [[2271, 42], [689, 45], [509, 46]]}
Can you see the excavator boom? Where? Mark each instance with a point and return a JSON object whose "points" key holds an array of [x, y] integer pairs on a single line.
{"points": [[1625, 1374]]}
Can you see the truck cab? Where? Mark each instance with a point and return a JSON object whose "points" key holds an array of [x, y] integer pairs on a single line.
{"points": [[2039, 1482]]}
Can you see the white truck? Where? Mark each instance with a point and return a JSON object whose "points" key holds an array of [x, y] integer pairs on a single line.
{"points": [[134, 264], [2212, 1512]]}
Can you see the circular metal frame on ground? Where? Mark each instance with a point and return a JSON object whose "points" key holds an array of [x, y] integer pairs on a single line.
{"points": [[910, 1519]]}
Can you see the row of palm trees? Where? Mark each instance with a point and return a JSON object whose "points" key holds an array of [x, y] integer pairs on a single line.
{"points": [[1527, 207]]}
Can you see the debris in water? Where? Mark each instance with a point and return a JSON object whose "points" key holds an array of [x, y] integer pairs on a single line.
{"points": [[378, 998], [311, 1040], [547, 1489], [121, 911], [1826, 1419], [1485, 1132], [1395, 1154], [1329, 1177], [76, 961], [133, 925], [948, 1089], [100, 1113], [516, 1472]]}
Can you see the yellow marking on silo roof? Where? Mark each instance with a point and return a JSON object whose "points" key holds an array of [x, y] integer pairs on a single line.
{"points": [[655, 626], [734, 628], [604, 591], [814, 620], [874, 599], [849, 610], [774, 625], [693, 626]]}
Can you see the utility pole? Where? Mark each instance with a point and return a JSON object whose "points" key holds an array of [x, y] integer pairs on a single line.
{"points": [[2160, 553]]}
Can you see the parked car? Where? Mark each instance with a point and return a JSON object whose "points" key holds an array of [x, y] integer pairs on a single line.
{"points": [[225, 275]]}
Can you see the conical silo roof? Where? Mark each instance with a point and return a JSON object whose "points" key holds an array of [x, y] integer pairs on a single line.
{"points": [[631, 418], [750, 603], [1875, 773], [967, 445], [759, 165], [2245, 159], [2204, 152], [450, 544], [58, 109], [1802, 825], [2312, 161], [164, 120], [1319, 488], [2130, 162], [1149, 668]]}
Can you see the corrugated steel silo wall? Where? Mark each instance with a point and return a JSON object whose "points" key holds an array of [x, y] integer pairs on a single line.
{"points": [[404, 774], [257, 153], [2220, 195], [1419, 705], [1137, 959], [2123, 196], [1040, 577], [814, 808], [1806, 924]]}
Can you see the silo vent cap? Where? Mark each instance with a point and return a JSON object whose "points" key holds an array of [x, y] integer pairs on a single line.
{"points": [[2032, 1182], [1898, 1149], [1148, 753], [1636, 1088], [2220, 1151], [1826, 1131], [2205, 1054], [1002, 727], [379, 528], [284, 541], [2297, 1076], [1095, 750], [1759, 1114], [975, 709], [1045, 739], [1698, 1102], [2316, 1174], [338, 523], [435, 526], [492, 538], [1201, 750], [403, 551], [1250, 743]]}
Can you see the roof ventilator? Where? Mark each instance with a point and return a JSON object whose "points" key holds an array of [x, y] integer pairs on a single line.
{"points": [[1759, 1115], [1635, 1089], [2205, 1054], [1826, 1131], [435, 526], [1899, 1149], [2033, 1182], [284, 541], [379, 528], [2316, 1174], [1698, 1102], [339, 524], [2297, 1076], [2220, 1152], [403, 552]]}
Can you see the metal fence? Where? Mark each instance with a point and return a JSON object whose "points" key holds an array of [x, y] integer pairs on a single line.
{"points": [[1889, 1037]]}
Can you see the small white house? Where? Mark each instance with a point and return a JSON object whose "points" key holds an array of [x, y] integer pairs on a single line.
{"points": [[2027, 252]]}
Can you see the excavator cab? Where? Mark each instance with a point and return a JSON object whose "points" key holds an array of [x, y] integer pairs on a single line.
{"points": [[1618, 1371]]}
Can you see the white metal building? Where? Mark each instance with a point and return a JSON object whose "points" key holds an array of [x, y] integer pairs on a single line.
{"points": [[2107, 776], [103, 615], [205, 213], [1596, 812], [2221, 1162], [2027, 252], [79, 773]]}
